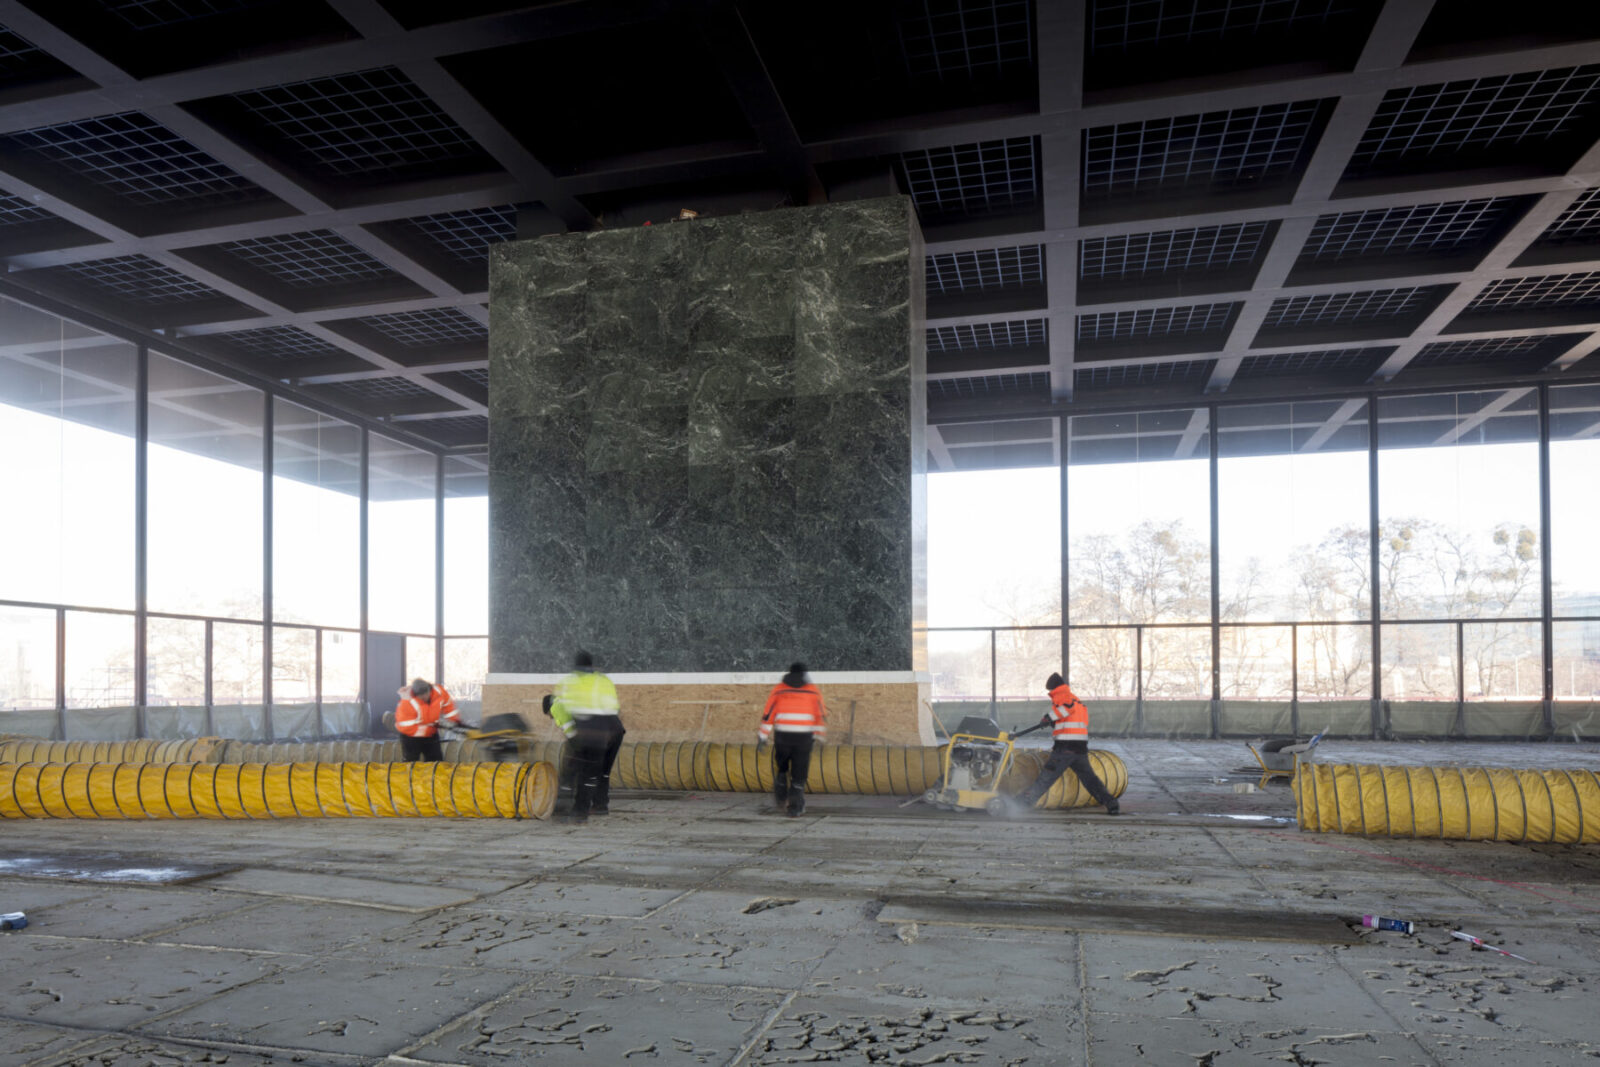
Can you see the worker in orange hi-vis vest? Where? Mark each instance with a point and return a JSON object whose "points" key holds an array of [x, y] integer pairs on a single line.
{"points": [[422, 707], [1069, 723], [795, 714]]}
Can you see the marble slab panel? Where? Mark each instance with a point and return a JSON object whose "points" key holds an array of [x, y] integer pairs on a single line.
{"points": [[706, 443]]}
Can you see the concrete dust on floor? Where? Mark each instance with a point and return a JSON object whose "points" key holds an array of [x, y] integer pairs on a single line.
{"points": [[1198, 928]]}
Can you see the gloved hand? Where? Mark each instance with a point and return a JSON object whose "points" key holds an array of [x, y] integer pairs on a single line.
{"points": [[1044, 720]]}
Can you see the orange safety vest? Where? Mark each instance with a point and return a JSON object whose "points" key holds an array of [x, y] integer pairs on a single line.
{"points": [[1068, 717], [792, 710], [415, 717]]}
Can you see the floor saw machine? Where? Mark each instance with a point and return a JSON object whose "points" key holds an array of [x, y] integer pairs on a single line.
{"points": [[975, 764]]}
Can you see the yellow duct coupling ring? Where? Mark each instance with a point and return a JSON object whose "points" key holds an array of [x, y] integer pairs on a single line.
{"points": [[275, 790], [1559, 807], [878, 770]]}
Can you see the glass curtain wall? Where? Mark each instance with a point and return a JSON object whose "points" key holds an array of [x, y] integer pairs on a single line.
{"points": [[1295, 574], [1459, 563], [1574, 563], [402, 525], [466, 576], [1139, 569]]}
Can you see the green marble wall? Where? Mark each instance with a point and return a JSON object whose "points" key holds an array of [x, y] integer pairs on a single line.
{"points": [[706, 444]]}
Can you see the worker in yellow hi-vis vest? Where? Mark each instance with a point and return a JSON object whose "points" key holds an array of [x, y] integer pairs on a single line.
{"points": [[586, 708]]}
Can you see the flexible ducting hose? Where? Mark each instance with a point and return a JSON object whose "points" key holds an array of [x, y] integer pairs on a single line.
{"points": [[883, 770], [192, 750], [1460, 803], [274, 790]]}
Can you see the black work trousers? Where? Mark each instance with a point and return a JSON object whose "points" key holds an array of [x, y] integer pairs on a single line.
{"points": [[425, 749], [791, 764], [1069, 756], [593, 749]]}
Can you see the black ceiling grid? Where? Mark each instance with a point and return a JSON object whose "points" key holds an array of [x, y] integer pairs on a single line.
{"points": [[308, 191]]}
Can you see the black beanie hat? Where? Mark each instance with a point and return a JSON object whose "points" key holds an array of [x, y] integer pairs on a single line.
{"points": [[582, 660], [797, 674], [1053, 681]]}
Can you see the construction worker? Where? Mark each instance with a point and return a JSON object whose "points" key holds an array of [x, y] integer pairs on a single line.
{"points": [[586, 708], [795, 713], [422, 707], [1069, 723]]}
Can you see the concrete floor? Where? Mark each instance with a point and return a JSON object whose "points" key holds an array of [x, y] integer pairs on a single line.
{"points": [[689, 929]]}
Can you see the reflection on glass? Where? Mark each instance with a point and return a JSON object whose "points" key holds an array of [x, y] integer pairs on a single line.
{"points": [[959, 661], [1502, 661], [1293, 511], [1335, 662], [1575, 498], [175, 662], [466, 666], [466, 545], [1104, 663], [1023, 660], [1139, 517], [316, 518], [67, 406], [1577, 660], [294, 665], [27, 659], [1257, 663], [236, 659], [99, 657], [402, 485], [1176, 664], [341, 667], [1458, 482], [205, 541], [421, 659], [1419, 662]]}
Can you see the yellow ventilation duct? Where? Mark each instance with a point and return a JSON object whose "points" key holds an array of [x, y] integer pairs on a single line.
{"points": [[881, 770], [275, 790], [1460, 803], [193, 750]]}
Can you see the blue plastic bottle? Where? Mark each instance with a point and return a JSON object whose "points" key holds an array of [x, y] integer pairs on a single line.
{"points": [[1378, 922]]}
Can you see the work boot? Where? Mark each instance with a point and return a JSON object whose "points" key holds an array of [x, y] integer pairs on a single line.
{"points": [[1020, 804], [797, 802], [1113, 808]]}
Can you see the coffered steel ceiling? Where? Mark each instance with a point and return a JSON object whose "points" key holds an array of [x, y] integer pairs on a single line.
{"points": [[1128, 203]]}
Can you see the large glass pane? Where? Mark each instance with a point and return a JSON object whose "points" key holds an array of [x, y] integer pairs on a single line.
{"points": [[1575, 498], [960, 661], [1420, 679], [294, 665], [421, 658], [341, 667], [175, 662], [1023, 660], [1292, 538], [27, 659], [1257, 680], [466, 665], [1176, 666], [1503, 668], [1104, 673], [316, 518], [1577, 679], [466, 545], [402, 486], [1139, 517], [1458, 505], [1334, 675], [66, 430], [994, 547], [99, 660], [205, 551], [236, 656]]}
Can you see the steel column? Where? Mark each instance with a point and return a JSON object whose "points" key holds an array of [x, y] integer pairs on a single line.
{"points": [[1547, 629], [438, 570], [1373, 562], [266, 558], [1216, 575], [141, 515]]}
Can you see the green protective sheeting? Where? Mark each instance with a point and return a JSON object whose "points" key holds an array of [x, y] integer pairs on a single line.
{"points": [[1461, 803]]}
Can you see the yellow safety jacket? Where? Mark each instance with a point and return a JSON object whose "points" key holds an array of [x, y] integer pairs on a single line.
{"points": [[583, 694]]}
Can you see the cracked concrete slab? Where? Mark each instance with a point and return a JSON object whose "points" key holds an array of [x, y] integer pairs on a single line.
{"points": [[285, 926], [125, 913], [338, 1006], [125, 1051], [581, 898], [504, 940], [22, 1042], [607, 1021], [914, 966], [1280, 985], [337, 889], [863, 1030], [120, 985], [1129, 1039], [687, 951]]}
